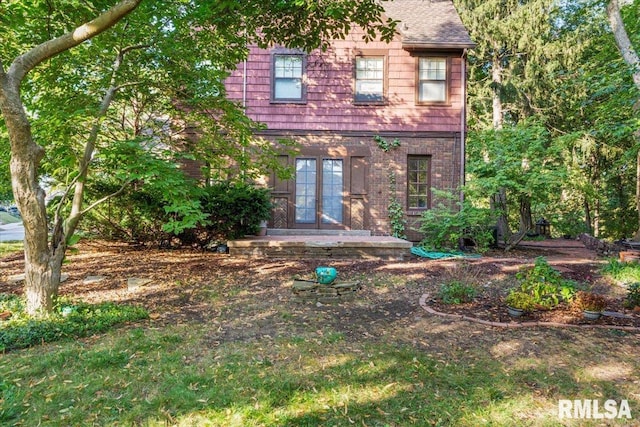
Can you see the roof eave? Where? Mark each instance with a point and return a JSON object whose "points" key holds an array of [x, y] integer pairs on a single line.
{"points": [[408, 45]]}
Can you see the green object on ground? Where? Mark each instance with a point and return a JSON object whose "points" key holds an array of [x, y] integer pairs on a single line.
{"points": [[424, 253], [326, 275]]}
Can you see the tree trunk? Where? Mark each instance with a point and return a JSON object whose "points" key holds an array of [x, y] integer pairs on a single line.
{"points": [[43, 261], [637, 235], [526, 221], [587, 216], [499, 200], [623, 42], [42, 280], [496, 80], [499, 205], [630, 56]]}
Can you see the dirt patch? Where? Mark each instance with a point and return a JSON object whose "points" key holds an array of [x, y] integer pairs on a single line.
{"points": [[245, 299]]}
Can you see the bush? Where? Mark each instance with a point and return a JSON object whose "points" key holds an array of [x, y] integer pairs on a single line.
{"points": [[633, 296], [142, 212], [445, 226], [235, 210], [589, 301], [219, 212], [457, 292], [67, 321], [520, 300], [545, 284]]}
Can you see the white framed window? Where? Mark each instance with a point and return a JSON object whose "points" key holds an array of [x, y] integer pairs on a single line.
{"points": [[433, 78], [287, 83], [369, 79]]}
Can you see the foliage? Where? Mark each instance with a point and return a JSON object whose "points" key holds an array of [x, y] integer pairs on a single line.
{"points": [[586, 100], [519, 160], [567, 223], [456, 292], [384, 144], [69, 320], [395, 210], [521, 300], [622, 272], [589, 301], [222, 211], [150, 194], [545, 284], [446, 225], [632, 299], [151, 76], [235, 209]]}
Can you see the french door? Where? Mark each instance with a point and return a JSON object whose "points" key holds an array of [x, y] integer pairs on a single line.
{"points": [[319, 193]]}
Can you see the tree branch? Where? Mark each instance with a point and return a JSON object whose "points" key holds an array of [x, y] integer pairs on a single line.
{"points": [[622, 40], [26, 62], [107, 197]]}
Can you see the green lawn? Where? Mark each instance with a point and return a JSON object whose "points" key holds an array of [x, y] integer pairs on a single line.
{"points": [[178, 376], [10, 247], [226, 345]]}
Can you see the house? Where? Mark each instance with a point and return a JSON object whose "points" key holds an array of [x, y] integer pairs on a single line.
{"points": [[376, 122]]}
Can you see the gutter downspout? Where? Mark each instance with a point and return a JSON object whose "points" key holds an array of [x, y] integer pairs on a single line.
{"points": [[463, 123], [244, 84]]}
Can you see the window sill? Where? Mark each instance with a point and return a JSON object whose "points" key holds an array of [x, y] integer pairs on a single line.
{"points": [[288, 101], [370, 103], [434, 104], [416, 212]]}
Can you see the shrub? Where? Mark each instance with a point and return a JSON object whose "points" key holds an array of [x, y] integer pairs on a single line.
{"points": [[445, 226], [235, 210], [589, 301], [521, 300], [67, 321], [633, 296], [457, 292], [545, 284]]}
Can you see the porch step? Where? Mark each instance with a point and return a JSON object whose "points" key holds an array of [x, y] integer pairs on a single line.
{"points": [[315, 246], [315, 232]]}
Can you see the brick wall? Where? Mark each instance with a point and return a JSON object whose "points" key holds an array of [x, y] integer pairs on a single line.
{"points": [[444, 152]]}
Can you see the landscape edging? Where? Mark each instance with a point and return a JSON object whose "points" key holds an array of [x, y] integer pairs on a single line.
{"points": [[515, 325]]}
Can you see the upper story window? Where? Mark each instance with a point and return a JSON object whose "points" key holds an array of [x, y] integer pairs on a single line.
{"points": [[433, 78], [287, 82], [370, 77]]}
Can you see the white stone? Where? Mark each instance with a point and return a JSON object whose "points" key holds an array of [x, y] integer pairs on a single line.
{"points": [[93, 279], [136, 282]]}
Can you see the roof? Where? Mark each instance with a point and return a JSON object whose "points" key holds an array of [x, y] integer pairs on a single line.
{"points": [[428, 24]]}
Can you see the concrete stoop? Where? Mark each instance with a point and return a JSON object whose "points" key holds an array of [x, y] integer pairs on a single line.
{"points": [[310, 245]]}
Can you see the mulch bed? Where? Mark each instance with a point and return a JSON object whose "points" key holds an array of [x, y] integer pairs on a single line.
{"points": [[184, 276], [492, 309]]}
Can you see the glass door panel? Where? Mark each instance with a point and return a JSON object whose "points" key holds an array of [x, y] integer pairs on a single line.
{"points": [[305, 200], [332, 183]]}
